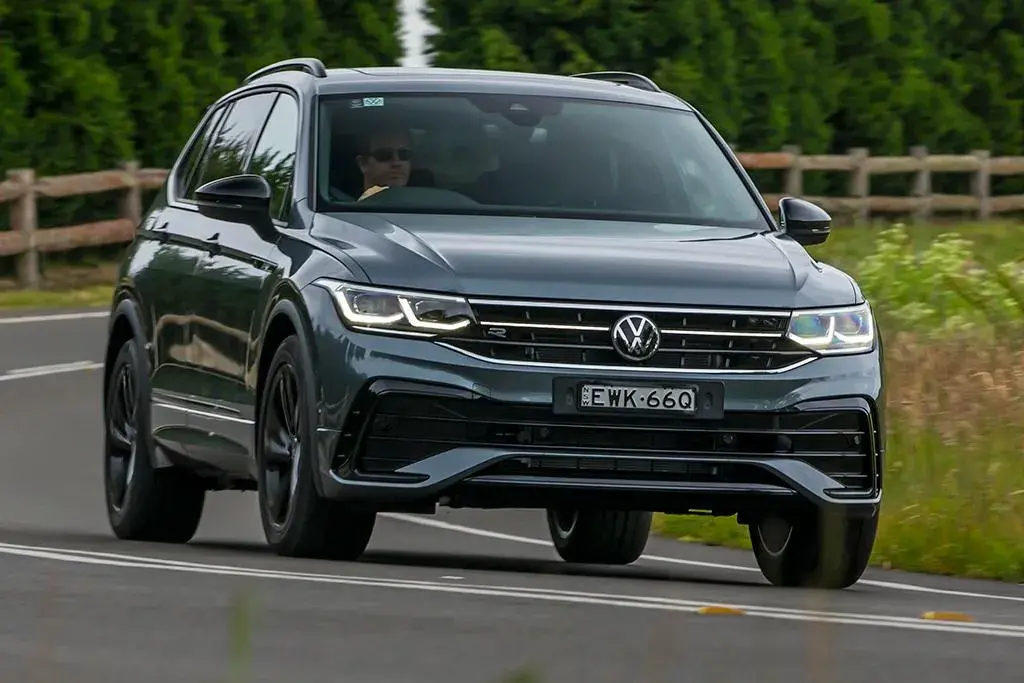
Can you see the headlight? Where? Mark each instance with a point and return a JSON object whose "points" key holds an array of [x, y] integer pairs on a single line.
{"points": [[834, 331], [379, 309]]}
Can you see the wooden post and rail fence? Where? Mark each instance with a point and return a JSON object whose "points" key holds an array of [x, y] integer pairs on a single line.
{"points": [[26, 241]]}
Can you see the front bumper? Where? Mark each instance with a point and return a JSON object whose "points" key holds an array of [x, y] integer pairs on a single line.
{"points": [[406, 421]]}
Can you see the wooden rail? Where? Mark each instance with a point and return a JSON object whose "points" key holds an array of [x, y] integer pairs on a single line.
{"points": [[923, 204], [22, 188]]}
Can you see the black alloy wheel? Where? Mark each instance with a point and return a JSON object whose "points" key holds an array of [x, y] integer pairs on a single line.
{"points": [[122, 435], [297, 520], [282, 444], [144, 503]]}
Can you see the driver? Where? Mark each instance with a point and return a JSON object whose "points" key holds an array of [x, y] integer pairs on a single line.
{"points": [[384, 160]]}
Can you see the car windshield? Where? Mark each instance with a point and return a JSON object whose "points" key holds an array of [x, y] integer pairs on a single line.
{"points": [[526, 156]]}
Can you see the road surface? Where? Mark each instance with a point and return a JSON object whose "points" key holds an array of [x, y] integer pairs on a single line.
{"points": [[457, 597]]}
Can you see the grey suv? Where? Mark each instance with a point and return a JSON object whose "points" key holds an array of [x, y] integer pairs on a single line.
{"points": [[387, 289]]}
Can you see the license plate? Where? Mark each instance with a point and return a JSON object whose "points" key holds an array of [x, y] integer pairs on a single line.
{"points": [[700, 400], [682, 399]]}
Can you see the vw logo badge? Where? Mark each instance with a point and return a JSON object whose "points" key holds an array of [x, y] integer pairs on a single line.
{"points": [[635, 337]]}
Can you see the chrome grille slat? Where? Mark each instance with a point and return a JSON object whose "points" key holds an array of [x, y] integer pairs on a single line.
{"points": [[568, 334]]}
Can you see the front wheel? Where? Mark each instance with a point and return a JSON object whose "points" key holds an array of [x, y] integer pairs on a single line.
{"points": [[297, 521], [599, 536], [816, 552]]}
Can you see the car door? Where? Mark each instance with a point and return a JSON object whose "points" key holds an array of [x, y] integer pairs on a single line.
{"points": [[237, 276], [166, 258]]}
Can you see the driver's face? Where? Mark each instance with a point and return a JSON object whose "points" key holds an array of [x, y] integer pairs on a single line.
{"points": [[387, 161]]}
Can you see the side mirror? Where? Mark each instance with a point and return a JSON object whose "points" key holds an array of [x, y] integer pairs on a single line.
{"points": [[805, 222], [238, 197]]}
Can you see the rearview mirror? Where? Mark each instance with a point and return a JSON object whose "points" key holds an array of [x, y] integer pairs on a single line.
{"points": [[241, 197], [805, 222]]}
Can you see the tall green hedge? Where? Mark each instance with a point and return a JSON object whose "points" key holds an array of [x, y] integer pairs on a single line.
{"points": [[89, 83], [823, 74]]}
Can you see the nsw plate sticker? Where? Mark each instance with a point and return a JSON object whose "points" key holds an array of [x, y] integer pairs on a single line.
{"points": [[367, 102]]}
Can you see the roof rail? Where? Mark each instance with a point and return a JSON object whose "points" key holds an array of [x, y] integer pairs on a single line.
{"points": [[310, 65], [622, 78]]}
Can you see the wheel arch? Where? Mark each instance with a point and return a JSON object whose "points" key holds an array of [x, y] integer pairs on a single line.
{"points": [[286, 318], [125, 324]]}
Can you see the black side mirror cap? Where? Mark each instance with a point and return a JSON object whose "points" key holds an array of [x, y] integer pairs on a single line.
{"points": [[805, 222], [243, 196]]}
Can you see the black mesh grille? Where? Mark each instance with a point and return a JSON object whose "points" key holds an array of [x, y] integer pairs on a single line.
{"points": [[536, 333], [406, 428]]}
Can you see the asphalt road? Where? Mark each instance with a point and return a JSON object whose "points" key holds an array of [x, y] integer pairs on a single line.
{"points": [[456, 597]]}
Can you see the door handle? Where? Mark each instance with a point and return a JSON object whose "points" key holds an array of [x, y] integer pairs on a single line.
{"points": [[213, 243], [161, 231]]}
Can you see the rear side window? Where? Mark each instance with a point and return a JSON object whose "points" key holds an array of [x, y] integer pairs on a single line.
{"points": [[227, 154]]}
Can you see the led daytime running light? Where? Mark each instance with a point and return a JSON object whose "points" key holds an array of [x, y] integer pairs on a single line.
{"points": [[833, 341]]}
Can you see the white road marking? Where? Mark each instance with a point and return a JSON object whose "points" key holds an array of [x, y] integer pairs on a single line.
{"points": [[52, 317], [894, 585], [43, 370], [522, 592]]}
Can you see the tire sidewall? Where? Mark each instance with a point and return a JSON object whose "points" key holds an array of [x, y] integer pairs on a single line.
{"points": [[289, 351], [130, 355], [805, 561], [600, 536], [561, 537]]}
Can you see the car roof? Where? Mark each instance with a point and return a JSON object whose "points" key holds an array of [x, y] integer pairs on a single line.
{"points": [[362, 80]]}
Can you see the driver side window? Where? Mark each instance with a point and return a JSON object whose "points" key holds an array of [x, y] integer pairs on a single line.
{"points": [[274, 155]]}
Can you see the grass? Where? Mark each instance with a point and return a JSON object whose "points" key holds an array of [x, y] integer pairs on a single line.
{"points": [[847, 247], [63, 287]]}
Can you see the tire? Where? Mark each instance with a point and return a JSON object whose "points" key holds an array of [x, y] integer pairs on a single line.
{"points": [[599, 536], [819, 552], [297, 520], [143, 503]]}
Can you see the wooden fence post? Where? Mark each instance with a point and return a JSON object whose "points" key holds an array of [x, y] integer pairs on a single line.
{"points": [[981, 184], [922, 189], [24, 220], [860, 184], [794, 185], [131, 201]]}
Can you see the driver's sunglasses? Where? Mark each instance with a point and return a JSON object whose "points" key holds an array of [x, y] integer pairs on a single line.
{"points": [[383, 154]]}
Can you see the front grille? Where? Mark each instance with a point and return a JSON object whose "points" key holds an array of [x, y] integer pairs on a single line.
{"points": [[403, 429], [737, 341]]}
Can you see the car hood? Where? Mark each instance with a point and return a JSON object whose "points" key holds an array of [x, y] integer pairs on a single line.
{"points": [[605, 261]]}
